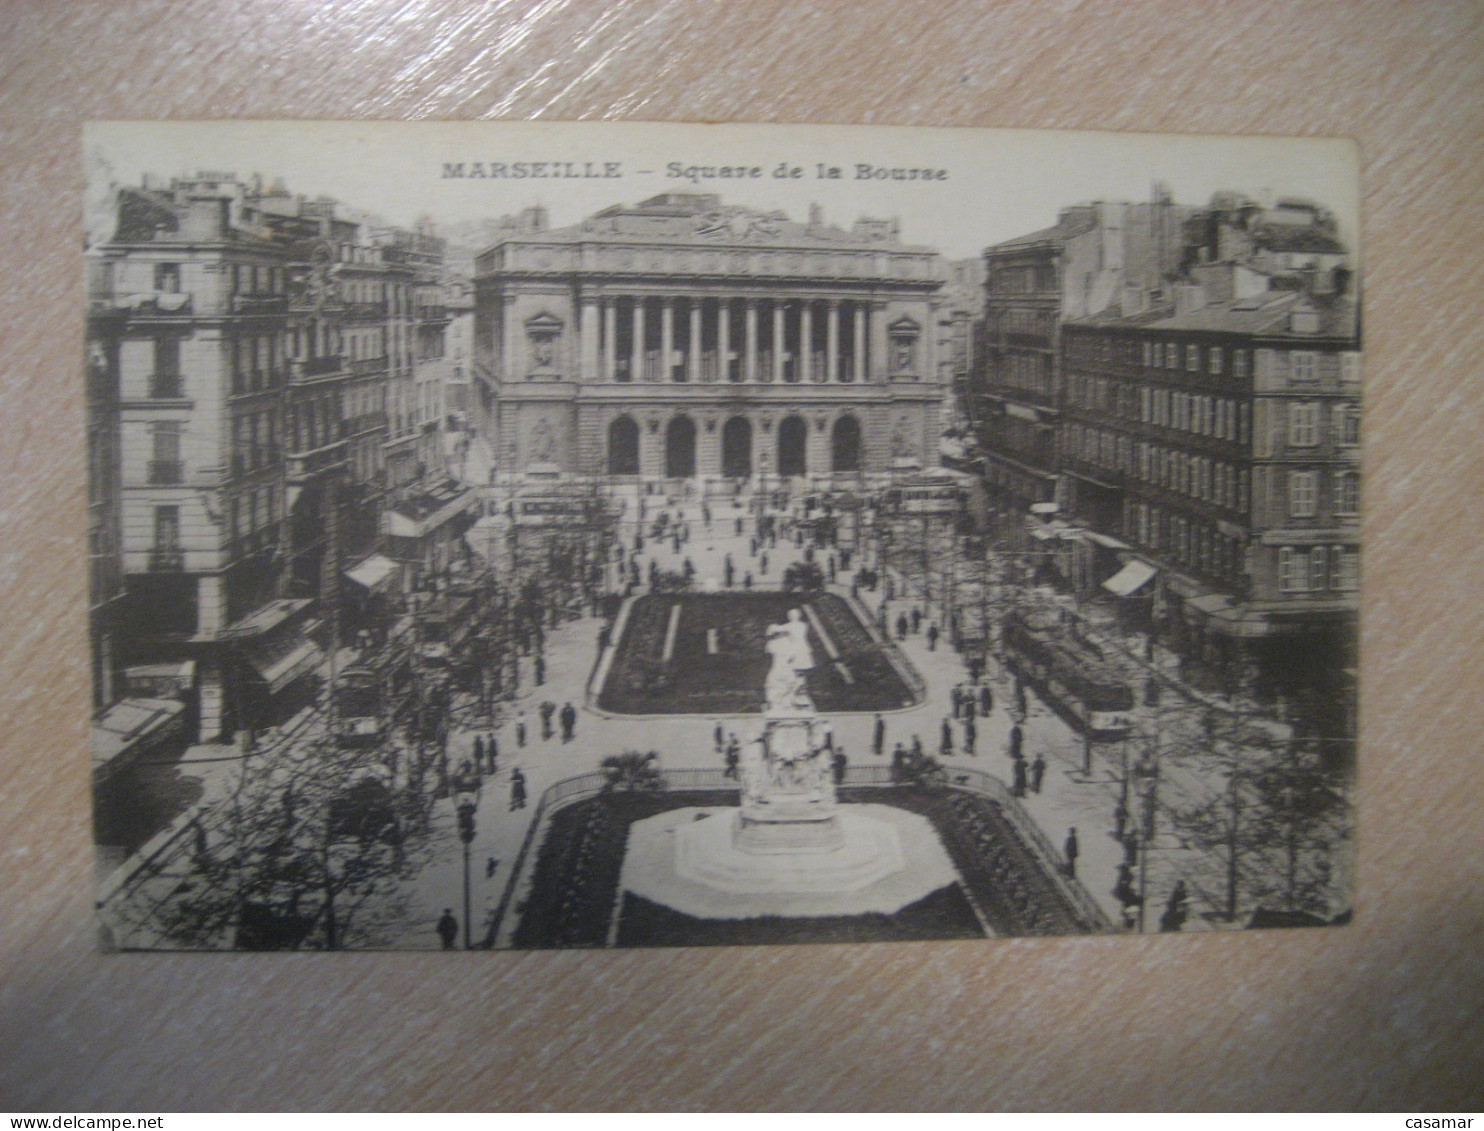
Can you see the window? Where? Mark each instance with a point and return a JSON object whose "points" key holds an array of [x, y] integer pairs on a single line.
{"points": [[1302, 489], [1318, 567], [1293, 570], [1347, 493], [1213, 360], [1148, 353], [167, 278], [1350, 367], [1345, 563], [1303, 424], [1192, 359], [165, 381], [1241, 363], [1304, 366], [1349, 424], [165, 464]]}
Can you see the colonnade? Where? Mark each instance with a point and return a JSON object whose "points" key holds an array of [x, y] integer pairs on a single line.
{"points": [[736, 340]]}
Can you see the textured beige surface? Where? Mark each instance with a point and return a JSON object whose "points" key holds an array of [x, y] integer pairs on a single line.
{"points": [[1385, 1014]]}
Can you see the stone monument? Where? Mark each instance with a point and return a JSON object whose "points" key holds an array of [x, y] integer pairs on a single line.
{"points": [[788, 784]]}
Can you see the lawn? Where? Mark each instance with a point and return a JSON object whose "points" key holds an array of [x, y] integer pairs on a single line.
{"points": [[718, 664]]}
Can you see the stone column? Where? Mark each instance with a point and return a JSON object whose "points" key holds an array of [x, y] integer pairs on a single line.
{"points": [[777, 375], [667, 337], [749, 366], [806, 343], [723, 337], [693, 358], [514, 351], [610, 339], [832, 342], [858, 362], [636, 347], [589, 340]]}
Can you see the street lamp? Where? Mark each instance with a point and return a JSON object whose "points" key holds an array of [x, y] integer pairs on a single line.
{"points": [[466, 804]]}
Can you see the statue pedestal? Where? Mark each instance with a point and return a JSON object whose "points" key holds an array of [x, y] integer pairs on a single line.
{"points": [[788, 789]]}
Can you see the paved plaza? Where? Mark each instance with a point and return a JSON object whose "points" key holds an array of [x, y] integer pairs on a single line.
{"points": [[1066, 800]]}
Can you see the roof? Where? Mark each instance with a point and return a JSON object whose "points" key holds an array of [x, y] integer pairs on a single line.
{"points": [[1052, 234], [1265, 315], [1289, 237]]}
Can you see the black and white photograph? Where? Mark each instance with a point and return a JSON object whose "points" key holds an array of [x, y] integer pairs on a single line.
{"points": [[530, 536]]}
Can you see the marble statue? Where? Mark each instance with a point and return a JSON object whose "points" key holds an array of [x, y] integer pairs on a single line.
{"points": [[788, 644]]}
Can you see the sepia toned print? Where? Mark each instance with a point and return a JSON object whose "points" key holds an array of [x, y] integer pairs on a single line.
{"points": [[542, 536]]}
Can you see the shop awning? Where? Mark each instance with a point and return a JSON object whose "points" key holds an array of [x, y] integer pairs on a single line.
{"points": [[1130, 578], [374, 574], [270, 616], [280, 666], [1105, 540], [131, 727]]}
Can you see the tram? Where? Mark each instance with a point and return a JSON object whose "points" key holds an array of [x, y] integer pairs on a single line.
{"points": [[1075, 682], [358, 720]]}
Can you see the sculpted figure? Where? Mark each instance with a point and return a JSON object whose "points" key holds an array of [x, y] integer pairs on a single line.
{"points": [[788, 644]]}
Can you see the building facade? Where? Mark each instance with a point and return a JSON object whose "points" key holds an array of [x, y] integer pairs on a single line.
{"points": [[683, 339]]}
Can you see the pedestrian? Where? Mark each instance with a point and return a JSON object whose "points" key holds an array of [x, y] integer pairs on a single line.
{"points": [[569, 721], [1018, 788], [986, 701], [976, 668], [971, 733], [1175, 909], [1123, 889], [489, 867], [970, 704], [547, 710], [448, 928], [932, 635], [491, 752], [901, 626], [719, 736], [729, 571], [540, 669], [478, 754], [945, 745], [916, 621], [1017, 741], [957, 698], [1072, 850], [917, 747], [898, 762], [1131, 847], [747, 580], [763, 563], [517, 789], [733, 758], [1021, 704], [1038, 773], [878, 737], [839, 764], [1120, 820], [520, 730]]}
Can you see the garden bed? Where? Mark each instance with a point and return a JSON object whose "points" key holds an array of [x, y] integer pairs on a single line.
{"points": [[575, 895], [694, 679]]}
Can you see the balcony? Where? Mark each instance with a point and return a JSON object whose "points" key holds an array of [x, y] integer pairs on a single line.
{"points": [[307, 369], [156, 304], [166, 559], [302, 466], [365, 311], [368, 367], [260, 304], [166, 472]]}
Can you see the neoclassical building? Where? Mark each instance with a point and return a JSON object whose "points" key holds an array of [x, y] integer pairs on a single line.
{"points": [[682, 338]]}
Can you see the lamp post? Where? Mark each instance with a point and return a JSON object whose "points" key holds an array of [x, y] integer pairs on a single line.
{"points": [[466, 804]]}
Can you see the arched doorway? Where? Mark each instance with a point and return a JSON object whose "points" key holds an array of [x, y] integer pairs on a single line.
{"points": [[623, 447], [736, 448], [680, 448], [845, 445], [793, 434]]}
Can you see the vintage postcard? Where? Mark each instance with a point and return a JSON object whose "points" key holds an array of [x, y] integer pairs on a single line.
{"points": [[537, 535]]}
